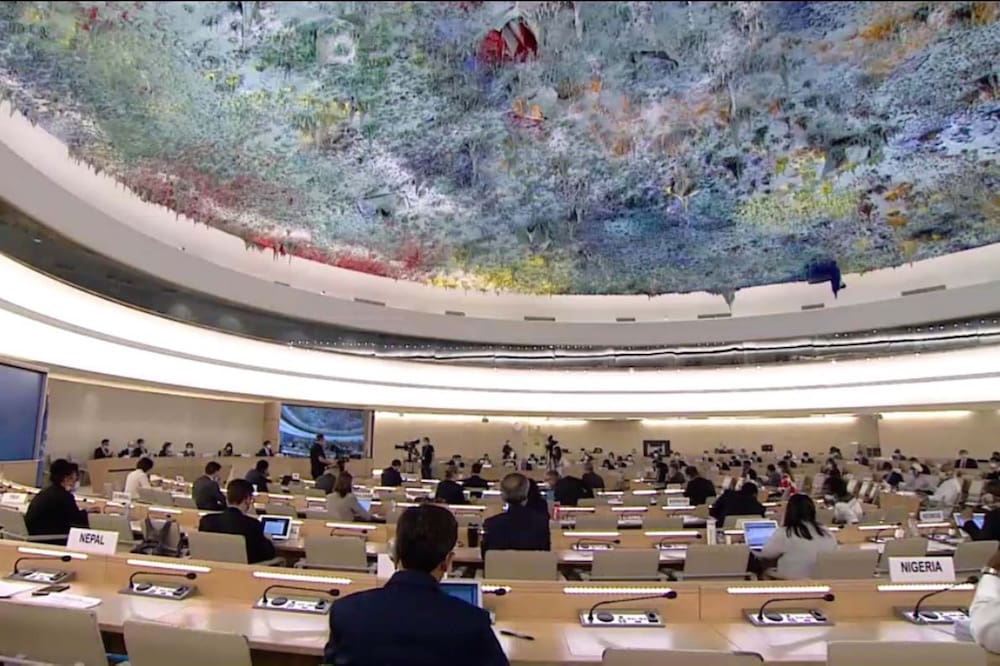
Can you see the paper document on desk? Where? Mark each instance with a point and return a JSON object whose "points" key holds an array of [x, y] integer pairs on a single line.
{"points": [[63, 600], [7, 590]]}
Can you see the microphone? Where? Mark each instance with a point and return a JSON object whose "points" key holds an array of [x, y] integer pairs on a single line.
{"points": [[670, 594], [61, 558], [664, 540], [500, 591], [333, 592], [582, 542], [157, 574], [829, 596], [916, 608]]}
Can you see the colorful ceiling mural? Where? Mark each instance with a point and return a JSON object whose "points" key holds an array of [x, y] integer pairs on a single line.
{"points": [[538, 147]]}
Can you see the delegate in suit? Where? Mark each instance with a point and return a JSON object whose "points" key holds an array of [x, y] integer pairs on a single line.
{"points": [[234, 520], [518, 528]]}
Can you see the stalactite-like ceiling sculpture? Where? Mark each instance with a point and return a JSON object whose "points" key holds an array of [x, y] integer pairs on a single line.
{"points": [[538, 147]]}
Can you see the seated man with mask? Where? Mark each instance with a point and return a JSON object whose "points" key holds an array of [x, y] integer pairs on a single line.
{"points": [[411, 621], [518, 528], [235, 520], [53, 511]]}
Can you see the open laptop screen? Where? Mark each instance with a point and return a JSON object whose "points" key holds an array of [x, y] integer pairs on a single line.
{"points": [[757, 532], [467, 591], [276, 527]]}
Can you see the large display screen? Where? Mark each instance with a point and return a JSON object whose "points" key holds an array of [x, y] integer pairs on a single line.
{"points": [[346, 430], [22, 400]]}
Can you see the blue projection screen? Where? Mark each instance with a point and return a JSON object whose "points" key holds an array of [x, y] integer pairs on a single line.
{"points": [[346, 430], [22, 400]]}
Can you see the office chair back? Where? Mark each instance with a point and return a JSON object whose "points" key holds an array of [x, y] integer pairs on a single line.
{"points": [[824, 516], [218, 547], [279, 509], [733, 522], [151, 644], [12, 524], [51, 634], [184, 502], [846, 565], [911, 547], [109, 522], [315, 492], [627, 657], [318, 514], [336, 552], [521, 565], [975, 491], [971, 556], [718, 561], [156, 496], [661, 521], [595, 521], [897, 514], [908, 653], [626, 564]]}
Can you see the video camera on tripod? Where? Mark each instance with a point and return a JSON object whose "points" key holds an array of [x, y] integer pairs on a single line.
{"points": [[411, 449]]}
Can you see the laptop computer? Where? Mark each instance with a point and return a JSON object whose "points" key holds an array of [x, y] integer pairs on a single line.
{"points": [[366, 504], [468, 591], [977, 518], [757, 532], [277, 527]]}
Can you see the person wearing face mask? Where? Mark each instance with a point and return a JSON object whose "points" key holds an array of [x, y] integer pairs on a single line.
{"points": [[53, 511], [104, 450], [205, 490], [189, 450], [234, 520], [921, 479], [965, 462]]}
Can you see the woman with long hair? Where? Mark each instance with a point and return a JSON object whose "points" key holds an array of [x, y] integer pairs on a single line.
{"points": [[341, 504], [799, 542]]}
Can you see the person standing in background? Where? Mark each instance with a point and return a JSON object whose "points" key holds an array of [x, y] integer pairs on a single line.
{"points": [[104, 450], [318, 461], [426, 458]]}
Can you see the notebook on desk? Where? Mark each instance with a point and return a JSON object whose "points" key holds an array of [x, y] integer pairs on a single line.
{"points": [[757, 532]]}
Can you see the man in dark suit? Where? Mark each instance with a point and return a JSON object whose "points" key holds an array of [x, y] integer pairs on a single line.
{"points": [[258, 476], [205, 490], [742, 502], [239, 497], [265, 450], [391, 478], [965, 462], [518, 528], [567, 490], [448, 490], [698, 488], [104, 450], [53, 510], [475, 481], [991, 524], [426, 458], [411, 621], [591, 478]]}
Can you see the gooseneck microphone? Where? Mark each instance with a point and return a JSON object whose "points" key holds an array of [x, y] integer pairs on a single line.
{"points": [[59, 558], [579, 543], [499, 592], [669, 594], [829, 596], [159, 574], [670, 540], [332, 592], [916, 608]]}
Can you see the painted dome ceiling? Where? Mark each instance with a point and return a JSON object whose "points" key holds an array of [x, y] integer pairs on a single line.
{"points": [[538, 147]]}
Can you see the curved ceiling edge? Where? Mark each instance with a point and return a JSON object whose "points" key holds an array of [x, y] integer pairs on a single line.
{"points": [[49, 323], [37, 176]]}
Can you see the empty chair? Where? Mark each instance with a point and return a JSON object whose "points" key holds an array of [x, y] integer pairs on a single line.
{"points": [[660, 521], [626, 657], [335, 552], [846, 565], [718, 561], [184, 502], [824, 516], [904, 653], [734, 522], [151, 644], [521, 565], [156, 496], [167, 533], [896, 515], [218, 547], [318, 514], [626, 564], [279, 509], [971, 556], [51, 634], [975, 491], [109, 522], [872, 516], [315, 492], [591, 522], [911, 547]]}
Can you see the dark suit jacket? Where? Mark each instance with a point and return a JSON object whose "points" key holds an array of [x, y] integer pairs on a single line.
{"points": [[593, 480], [570, 490], [54, 511], [410, 622], [733, 503], [970, 463], [698, 490], [450, 492], [991, 527], [391, 477], [536, 502], [262, 453], [233, 521], [99, 453], [206, 494], [473, 482], [257, 479], [519, 528]]}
